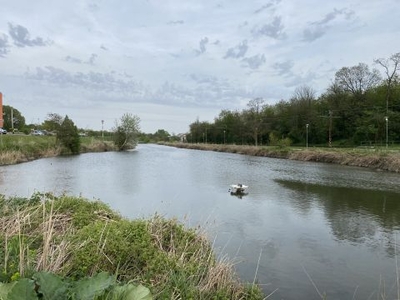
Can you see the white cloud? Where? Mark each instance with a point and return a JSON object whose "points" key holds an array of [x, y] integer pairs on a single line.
{"points": [[174, 60]]}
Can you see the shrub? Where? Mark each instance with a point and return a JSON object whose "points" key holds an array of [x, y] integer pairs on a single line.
{"points": [[68, 136]]}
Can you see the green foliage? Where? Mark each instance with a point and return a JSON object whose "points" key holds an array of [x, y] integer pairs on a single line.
{"points": [[49, 286], [126, 131], [30, 146], [352, 110], [18, 119], [281, 143], [83, 212], [68, 136], [125, 243], [53, 122], [79, 238]]}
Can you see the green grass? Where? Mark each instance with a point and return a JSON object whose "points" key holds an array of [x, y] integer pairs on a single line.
{"points": [[76, 238], [15, 148]]}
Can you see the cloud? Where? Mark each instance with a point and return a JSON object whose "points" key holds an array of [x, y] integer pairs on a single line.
{"points": [[284, 68], [266, 6], [4, 45], [301, 79], [319, 28], [254, 62], [202, 45], [210, 92], [73, 60], [21, 37], [107, 82], [92, 59], [334, 14], [312, 34], [273, 30], [238, 51], [178, 22]]}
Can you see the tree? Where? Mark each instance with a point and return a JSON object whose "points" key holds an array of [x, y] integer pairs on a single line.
{"points": [[126, 131], [161, 135], [391, 66], [68, 136], [357, 79], [13, 119], [53, 122], [253, 117]]}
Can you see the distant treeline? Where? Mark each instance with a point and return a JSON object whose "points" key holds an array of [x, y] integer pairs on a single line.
{"points": [[360, 107]]}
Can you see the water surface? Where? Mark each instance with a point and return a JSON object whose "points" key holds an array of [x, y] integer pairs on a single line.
{"points": [[303, 229]]}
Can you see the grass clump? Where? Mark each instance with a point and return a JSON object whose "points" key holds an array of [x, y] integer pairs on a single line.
{"points": [[76, 238]]}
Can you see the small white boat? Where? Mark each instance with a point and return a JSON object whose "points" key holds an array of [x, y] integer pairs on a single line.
{"points": [[238, 189]]}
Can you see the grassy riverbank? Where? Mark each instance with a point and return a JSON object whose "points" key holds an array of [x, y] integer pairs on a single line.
{"points": [[22, 148], [75, 238], [379, 159]]}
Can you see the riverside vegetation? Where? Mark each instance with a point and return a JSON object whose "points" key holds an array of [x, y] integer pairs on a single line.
{"points": [[379, 159], [22, 148], [71, 248]]}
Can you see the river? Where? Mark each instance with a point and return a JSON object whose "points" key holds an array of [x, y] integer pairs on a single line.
{"points": [[304, 230]]}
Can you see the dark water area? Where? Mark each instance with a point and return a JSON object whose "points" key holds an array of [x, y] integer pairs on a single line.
{"points": [[304, 230]]}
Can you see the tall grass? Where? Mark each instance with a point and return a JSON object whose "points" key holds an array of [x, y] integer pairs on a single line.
{"points": [[77, 238], [379, 159], [21, 148]]}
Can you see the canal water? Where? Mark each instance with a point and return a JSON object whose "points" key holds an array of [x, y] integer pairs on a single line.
{"points": [[305, 229]]}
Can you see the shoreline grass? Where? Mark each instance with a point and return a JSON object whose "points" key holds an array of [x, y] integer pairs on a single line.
{"points": [[75, 238], [378, 159], [16, 149]]}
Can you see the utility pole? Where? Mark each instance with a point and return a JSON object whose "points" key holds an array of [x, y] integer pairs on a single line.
{"points": [[387, 131], [12, 119], [330, 129], [330, 116], [307, 135]]}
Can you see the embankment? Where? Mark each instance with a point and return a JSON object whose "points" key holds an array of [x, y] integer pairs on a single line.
{"points": [[75, 238], [19, 149], [367, 158]]}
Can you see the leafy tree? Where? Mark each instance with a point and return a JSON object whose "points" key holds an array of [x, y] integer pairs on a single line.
{"points": [[253, 117], [126, 131], [15, 115], [53, 122], [68, 136], [161, 135]]}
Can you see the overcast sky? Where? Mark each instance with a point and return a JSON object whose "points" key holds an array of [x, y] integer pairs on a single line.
{"points": [[173, 61]]}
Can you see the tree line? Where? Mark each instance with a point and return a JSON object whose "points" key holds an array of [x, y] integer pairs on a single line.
{"points": [[124, 136], [360, 107]]}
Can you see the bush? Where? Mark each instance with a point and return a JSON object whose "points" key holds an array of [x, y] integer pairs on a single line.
{"points": [[68, 136]]}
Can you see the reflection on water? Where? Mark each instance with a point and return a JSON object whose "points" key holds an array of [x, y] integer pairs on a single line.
{"points": [[355, 215], [300, 220]]}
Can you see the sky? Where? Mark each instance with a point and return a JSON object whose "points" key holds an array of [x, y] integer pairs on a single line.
{"points": [[172, 62]]}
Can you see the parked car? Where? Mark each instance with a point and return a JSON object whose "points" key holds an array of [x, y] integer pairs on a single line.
{"points": [[37, 132], [3, 131]]}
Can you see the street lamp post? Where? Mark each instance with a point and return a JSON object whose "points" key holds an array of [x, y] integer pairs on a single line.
{"points": [[307, 136], [102, 131], [224, 137], [387, 131]]}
